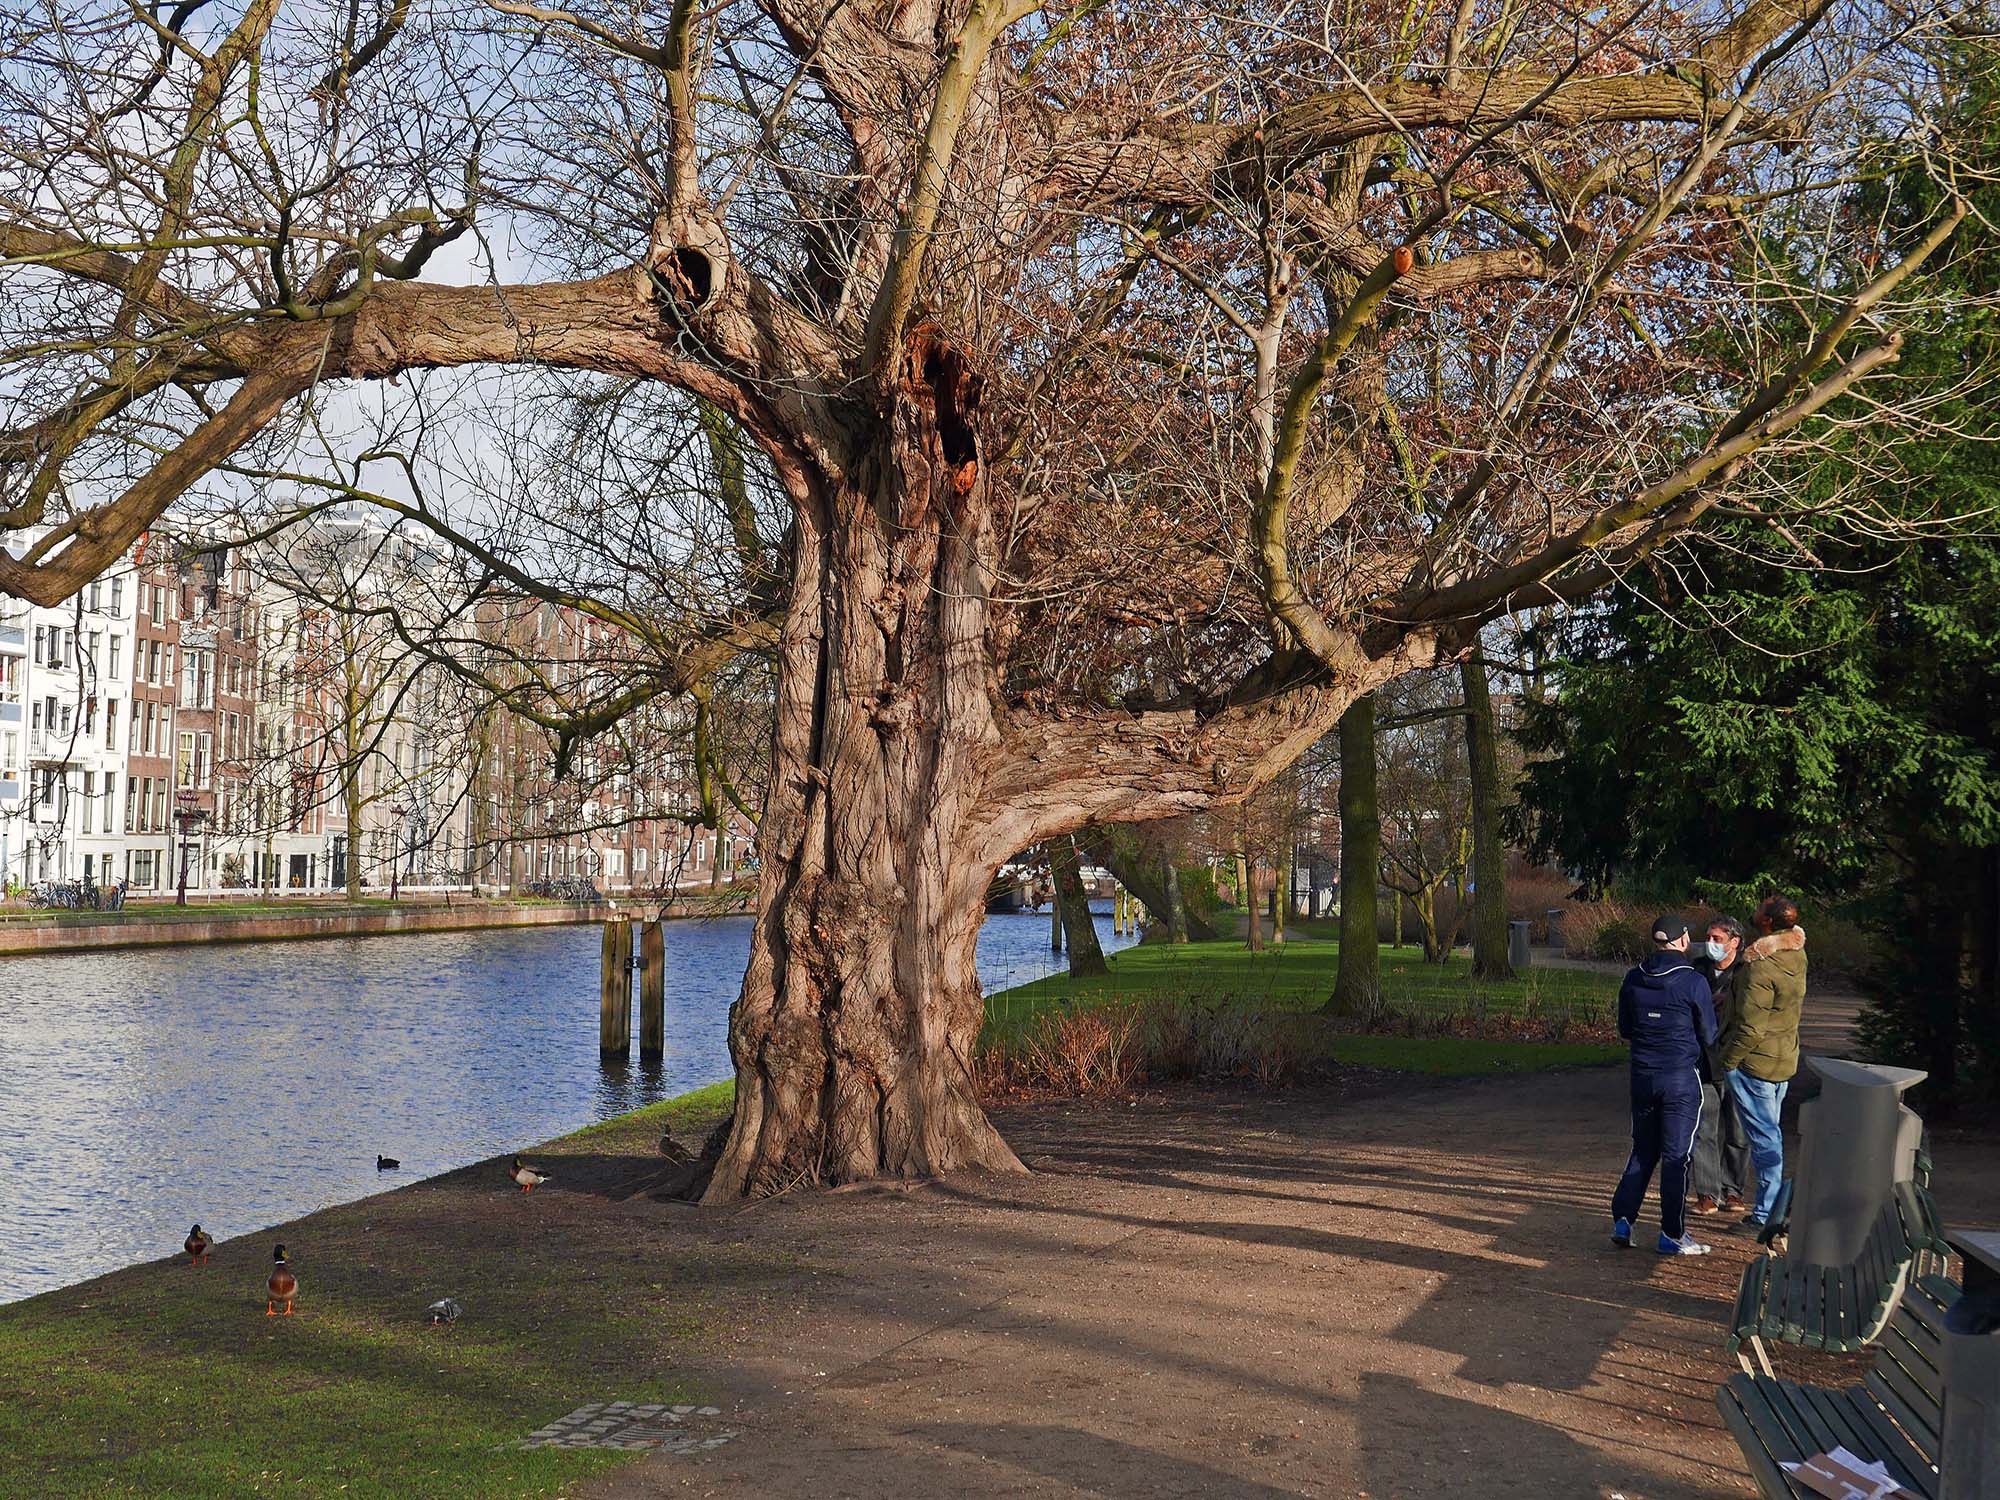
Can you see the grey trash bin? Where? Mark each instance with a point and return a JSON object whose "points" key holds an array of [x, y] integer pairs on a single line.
{"points": [[1517, 944], [1857, 1140], [1970, 1465], [1555, 921]]}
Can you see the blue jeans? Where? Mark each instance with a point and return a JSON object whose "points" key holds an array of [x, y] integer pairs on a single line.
{"points": [[1758, 1102]]}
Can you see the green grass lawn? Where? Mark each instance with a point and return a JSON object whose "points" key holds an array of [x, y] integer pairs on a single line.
{"points": [[168, 1380], [1298, 975]]}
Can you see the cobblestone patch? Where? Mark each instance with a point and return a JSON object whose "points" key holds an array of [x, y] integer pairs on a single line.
{"points": [[635, 1427]]}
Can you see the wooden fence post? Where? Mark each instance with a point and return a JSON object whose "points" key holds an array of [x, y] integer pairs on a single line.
{"points": [[614, 1013], [652, 993]]}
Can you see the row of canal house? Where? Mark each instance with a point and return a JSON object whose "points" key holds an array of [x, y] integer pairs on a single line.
{"points": [[201, 712]]}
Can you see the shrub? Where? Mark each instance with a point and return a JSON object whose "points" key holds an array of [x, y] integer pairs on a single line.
{"points": [[1609, 928], [1088, 1053], [1532, 894]]}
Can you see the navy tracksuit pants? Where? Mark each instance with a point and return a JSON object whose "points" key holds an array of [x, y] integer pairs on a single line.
{"points": [[1666, 1113]]}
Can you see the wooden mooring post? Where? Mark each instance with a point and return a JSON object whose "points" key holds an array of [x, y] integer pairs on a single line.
{"points": [[652, 993], [614, 1013]]}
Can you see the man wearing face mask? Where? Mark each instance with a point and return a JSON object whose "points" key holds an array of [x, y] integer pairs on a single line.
{"points": [[1721, 1149], [1665, 1010]]}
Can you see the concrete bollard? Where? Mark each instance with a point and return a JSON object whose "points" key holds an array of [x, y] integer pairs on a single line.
{"points": [[1517, 943], [1969, 1463], [652, 993], [614, 1001], [1857, 1140]]}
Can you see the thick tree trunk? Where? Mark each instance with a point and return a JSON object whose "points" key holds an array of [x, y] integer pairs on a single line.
{"points": [[853, 1036], [1086, 954], [1281, 892], [1489, 859], [1359, 976], [897, 790]]}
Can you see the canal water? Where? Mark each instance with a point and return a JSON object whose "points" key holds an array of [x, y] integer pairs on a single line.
{"points": [[243, 1085]]}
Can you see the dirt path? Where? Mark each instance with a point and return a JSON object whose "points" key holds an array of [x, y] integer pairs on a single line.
{"points": [[1406, 1291]]}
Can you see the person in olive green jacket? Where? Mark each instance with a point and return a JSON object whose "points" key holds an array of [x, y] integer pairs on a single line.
{"points": [[1760, 1041]]}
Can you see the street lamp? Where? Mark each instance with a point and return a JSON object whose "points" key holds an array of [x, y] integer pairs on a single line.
{"points": [[189, 817], [396, 865]]}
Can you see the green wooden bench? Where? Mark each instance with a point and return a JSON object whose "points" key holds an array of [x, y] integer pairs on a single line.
{"points": [[1838, 1308], [1895, 1416]]}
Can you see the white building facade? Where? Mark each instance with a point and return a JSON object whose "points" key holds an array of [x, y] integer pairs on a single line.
{"points": [[64, 707]]}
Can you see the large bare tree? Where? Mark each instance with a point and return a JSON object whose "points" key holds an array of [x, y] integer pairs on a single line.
{"points": [[1129, 388]]}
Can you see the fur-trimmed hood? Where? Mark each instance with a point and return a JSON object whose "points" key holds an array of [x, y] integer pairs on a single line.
{"points": [[1791, 940]]}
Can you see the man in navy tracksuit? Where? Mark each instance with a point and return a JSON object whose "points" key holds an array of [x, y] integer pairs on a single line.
{"points": [[1666, 1012]]}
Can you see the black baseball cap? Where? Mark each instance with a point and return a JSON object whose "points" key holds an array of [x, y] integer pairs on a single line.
{"points": [[1669, 928]]}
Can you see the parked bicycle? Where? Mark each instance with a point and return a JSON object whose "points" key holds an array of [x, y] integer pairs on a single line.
{"points": [[564, 888], [78, 895]]}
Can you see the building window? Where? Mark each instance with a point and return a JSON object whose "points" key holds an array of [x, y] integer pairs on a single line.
{"points": [[118, 594], [116, 642], [90, 802], [111, 724], [131, 803], [184, 760]]}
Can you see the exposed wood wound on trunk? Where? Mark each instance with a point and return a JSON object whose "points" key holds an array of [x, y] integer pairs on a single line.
{"points": [[936, 377]]}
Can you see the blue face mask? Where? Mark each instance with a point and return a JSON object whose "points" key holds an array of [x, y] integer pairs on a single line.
{"points": [[1715, 951]]}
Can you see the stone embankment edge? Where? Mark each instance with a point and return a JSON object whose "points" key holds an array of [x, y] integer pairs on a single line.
{"points": [[185, 926]]}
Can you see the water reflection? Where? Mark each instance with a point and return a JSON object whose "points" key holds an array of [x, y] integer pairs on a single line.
{"points": [[246, 1084]]}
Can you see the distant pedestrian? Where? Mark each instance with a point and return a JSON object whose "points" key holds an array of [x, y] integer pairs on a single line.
{"points": [[1721, 1148], [1760, 1051], [1665, 1011]]}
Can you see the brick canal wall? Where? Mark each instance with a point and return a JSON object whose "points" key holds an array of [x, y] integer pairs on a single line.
{"points": [[148, 928]]}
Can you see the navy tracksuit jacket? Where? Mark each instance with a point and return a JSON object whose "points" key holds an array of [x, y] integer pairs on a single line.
{"points": [[1667, 1012]]}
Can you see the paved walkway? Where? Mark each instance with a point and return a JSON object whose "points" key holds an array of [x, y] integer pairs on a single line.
{"points": [[1406, 1291]]}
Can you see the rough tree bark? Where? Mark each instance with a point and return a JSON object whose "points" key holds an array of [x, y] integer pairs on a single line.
{"points": [[1086, 954], [1489, 857], [854, 1033], [1359, 976]]}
